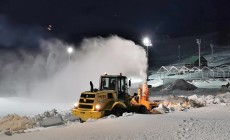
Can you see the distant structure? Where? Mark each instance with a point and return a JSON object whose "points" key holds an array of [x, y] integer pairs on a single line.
{"points": [[194, 61]]}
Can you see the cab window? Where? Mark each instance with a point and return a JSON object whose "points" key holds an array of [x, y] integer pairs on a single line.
{"points": [[121, 88], [108, 83]]}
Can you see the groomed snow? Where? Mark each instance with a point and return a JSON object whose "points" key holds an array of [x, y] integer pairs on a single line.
{"points": [[211, 122]]}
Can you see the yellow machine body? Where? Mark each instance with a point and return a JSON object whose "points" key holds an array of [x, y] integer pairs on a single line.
{"points": [[96, 104]]}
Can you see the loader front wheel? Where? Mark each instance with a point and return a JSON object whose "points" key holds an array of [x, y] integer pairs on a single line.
{"points": [[117, 112], [81, 121]]}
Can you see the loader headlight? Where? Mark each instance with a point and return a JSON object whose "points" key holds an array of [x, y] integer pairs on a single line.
{"points": [[97, 107], [76, 105]]}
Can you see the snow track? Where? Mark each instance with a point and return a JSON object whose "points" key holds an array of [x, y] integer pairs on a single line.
{"points": [[214, 129]]}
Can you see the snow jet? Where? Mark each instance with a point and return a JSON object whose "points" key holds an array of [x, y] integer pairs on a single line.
{"points": [[93, 58], [46, 74]]}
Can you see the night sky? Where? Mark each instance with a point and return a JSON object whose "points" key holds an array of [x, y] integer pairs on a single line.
{"points": [[73, 20]]}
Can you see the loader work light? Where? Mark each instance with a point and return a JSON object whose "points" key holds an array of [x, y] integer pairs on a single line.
{"points": [[76, 105], [97, 107]]}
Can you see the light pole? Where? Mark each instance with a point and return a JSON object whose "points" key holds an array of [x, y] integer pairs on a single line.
{"points": [[211, 45], [179, 53], [228, 39], [147, 42], [198, 41], [69, 51]]}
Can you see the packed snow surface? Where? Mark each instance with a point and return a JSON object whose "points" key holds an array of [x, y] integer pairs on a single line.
{"points": [[211, 122]]}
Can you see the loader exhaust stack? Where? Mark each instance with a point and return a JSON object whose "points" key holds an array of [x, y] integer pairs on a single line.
{"points": [[91, 86]]}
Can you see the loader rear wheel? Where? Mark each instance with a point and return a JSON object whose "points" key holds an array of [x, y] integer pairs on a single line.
{"points": [[117, 112], [143, 110]]}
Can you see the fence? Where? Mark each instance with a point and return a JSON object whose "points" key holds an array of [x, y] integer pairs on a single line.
{"points": [[193, 73]]}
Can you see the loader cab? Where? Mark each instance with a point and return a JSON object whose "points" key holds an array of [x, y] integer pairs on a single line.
{"points": [[118, 83]]}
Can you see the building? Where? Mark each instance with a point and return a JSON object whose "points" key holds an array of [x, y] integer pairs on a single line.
{"points": [[194, 61]]}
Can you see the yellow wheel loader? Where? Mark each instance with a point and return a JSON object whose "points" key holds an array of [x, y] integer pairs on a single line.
{"points": [[112, 98]]}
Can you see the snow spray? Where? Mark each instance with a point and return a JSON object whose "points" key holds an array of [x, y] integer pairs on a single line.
{"points": [[51, 74]]}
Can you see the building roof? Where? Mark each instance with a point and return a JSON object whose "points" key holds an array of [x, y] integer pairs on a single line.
{"points": [[193, 59]]}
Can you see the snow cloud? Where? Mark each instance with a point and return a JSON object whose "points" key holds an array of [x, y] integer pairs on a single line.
{"points": [[47, 74], [93, 58]]}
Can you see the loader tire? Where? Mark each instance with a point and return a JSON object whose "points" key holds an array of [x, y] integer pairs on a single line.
{"points": [[143, 110], [117, 112], [81, 121]]}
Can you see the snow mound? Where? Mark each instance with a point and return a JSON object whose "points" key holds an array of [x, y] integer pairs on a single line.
{"points": [[181, 84], [126, 114], [224, 98], [11, 124], [111, 117], [162, 109], [197, 101], [16, 123], [91, 120], [53, 118], [173, 103], [52, 121], [210, 99]]}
